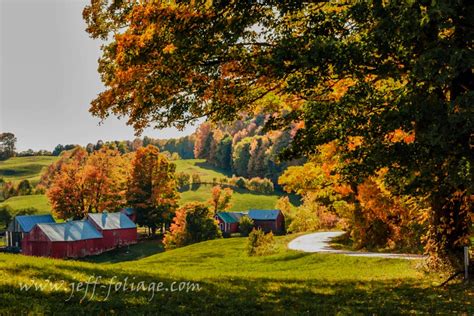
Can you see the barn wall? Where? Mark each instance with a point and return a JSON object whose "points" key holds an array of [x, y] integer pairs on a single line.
{"points": [[35, 243], [234, 228], [266, 226], [118, 237], [128, 236]]}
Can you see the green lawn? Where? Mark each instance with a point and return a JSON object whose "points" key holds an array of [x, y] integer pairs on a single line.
{"points": [[230, 282], [242, 200], [40, 202], [199, 166], [21, 168]]}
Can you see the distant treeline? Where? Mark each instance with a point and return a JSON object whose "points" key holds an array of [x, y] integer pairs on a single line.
{"points": [[182, 147], [244, 148]]}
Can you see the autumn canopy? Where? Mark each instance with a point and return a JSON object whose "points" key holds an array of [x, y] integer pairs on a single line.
{"points": [[389, 84]]}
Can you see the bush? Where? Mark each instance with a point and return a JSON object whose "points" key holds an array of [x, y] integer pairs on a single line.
{"points": [[192, 223], [260, 185], [245, 225], [260, 244], [305, 219], [196, 182], [24, 188], [183, 181], [241, 183]]}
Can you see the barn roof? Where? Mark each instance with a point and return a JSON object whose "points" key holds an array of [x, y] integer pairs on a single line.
{"points": [[264, 215], [70, 231], [107, 221], [230, 217], [27, 222], [128, 211]]}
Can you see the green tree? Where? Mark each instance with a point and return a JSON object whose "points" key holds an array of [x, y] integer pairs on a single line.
{"points": [[24, 188], [241, 157], [7, 145], [5, 215], [183, 181], [245, 225]]}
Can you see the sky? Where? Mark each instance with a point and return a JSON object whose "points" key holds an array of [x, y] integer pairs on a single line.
{"points": [[49, 77]]}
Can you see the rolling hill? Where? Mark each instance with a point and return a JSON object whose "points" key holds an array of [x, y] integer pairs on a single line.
{"points": [[218, 277], [20, 168], [24, 168]]}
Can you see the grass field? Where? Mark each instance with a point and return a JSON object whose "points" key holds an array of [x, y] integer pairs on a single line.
{"points": [[230, 282], [241, 200], [40, 202], [199, 166], [21, 168]]}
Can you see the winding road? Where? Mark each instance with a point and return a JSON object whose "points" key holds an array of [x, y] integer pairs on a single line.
{"points": [[319, 242]]}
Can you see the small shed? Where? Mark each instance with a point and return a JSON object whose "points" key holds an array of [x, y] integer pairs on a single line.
{"points": [[117, 229], [268, 220], [228, 221], [21, 225], [63, 240]]}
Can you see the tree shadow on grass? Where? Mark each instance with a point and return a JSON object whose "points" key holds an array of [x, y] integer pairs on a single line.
{"points": [[138, 251], [205, 165], [230, 295]]}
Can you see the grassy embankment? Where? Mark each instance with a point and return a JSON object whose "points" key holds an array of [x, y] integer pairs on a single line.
{"points": [[230, 282]]}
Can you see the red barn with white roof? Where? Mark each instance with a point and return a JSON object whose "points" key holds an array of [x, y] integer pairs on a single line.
{"points": [[63, 240], [117, 229]]}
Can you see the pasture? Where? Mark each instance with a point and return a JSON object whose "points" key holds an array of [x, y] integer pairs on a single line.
{"points": [[39, 201], [198, 166], [30, 168], [287, 282], [24, 168]]}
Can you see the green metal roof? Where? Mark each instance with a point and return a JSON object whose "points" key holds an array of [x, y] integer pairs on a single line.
{"points": [[230, 217]]}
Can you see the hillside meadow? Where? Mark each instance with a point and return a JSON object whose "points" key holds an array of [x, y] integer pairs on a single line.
{"points": [[20, 168], [24, 168], [287, 282]]}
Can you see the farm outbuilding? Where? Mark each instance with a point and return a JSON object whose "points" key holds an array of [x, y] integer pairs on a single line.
{"points": [[268, 220], [63, 240], [117, 229], [22, 225], [229, 221]]}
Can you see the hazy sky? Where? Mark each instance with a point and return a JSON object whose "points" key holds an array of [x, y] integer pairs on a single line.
{"points": [[49, 76]]}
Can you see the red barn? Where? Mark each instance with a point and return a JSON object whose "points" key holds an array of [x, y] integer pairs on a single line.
{"points": [[268, 220], [116, 228], [63, 240], [228, 221]]}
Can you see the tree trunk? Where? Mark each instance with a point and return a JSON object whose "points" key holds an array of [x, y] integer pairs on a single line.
{"points": [[448, 231]]}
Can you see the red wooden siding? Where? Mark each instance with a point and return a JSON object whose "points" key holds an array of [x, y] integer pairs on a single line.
{"points": [[36, 243]]}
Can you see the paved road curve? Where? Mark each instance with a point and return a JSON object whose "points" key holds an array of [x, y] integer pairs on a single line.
{"points": [[319, 242]]}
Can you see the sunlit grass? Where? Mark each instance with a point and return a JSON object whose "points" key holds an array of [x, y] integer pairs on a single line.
{"points": [[24, 168], [40, 202], [287, 282]]}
